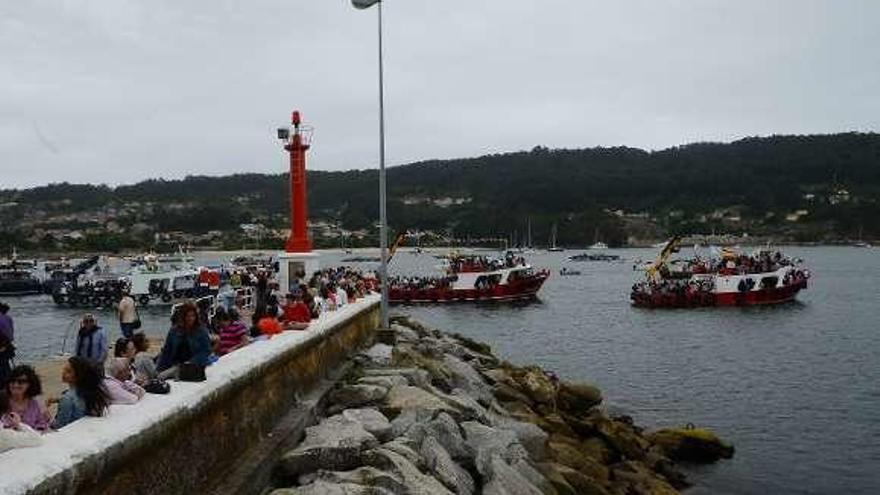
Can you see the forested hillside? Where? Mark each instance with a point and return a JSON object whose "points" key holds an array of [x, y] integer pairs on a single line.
{"points": [[823, 187]]}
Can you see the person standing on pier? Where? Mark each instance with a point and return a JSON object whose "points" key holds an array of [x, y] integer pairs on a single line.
{"points": [[91, 341], [7, 348], [128, 316]]}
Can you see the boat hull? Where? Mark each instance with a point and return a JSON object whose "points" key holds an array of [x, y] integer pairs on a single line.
{"points": [[21, 288], [516, 291], [763, 297]]}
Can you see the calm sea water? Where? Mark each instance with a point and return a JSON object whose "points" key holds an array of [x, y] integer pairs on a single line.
{"points": [[796, 388]]}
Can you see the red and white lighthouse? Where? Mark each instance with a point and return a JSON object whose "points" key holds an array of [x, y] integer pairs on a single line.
{"points": [[297, 262]]}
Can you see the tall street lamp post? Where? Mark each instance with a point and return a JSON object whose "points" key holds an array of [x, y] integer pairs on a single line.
{"points": [[383, 214]]}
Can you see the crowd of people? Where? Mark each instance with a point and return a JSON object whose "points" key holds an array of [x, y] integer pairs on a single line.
{"points": [[694, 291], [98, 376], [739, 264]]}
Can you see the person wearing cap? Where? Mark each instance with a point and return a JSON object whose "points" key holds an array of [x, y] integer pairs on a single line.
{"points": [[296, 313], [91, 341]]}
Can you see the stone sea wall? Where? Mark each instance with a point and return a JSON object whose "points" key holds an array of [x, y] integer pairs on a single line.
{"points": [[187, 441], [439, 414]]}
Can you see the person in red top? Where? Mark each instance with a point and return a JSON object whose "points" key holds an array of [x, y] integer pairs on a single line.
{"points": [[296, 313]]}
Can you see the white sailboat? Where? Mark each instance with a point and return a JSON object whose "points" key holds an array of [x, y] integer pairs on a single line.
{"points": [[553, 247]]}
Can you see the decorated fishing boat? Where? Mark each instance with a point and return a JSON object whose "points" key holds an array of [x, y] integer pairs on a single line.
{"points": [[727, 278], [472, 278]]}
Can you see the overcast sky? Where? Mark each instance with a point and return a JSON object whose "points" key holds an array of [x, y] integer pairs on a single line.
{"points": [[115, 91]]}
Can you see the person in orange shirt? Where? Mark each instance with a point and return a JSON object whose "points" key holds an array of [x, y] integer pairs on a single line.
{"points": [[268, 324]]}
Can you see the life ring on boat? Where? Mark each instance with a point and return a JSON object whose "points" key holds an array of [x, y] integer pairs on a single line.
{"points": [[144, 300], [166, 297], [176, 295]]}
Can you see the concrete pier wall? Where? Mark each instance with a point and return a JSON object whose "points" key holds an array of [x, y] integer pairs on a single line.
{"points": [[185, 441]]}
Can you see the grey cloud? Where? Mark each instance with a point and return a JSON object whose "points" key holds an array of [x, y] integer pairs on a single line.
{"points": [[116, 91]]}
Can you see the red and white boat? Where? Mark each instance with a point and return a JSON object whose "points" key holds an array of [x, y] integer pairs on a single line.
{"points": [[472, 278], [732, 279]]}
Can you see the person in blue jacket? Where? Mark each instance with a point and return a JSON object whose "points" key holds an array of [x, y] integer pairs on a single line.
{"points": [[91, 341], [188, 341]]}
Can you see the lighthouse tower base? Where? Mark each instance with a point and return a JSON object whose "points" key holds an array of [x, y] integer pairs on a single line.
{"points": [[294, 267]]}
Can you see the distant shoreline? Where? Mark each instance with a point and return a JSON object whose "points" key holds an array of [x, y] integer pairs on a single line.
{"points": [[434, 249]]}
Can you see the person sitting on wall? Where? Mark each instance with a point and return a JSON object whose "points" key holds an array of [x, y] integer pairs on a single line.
{"points": [[91, 341], [233, 334], [142, 363], [84, 395], [118, 383], [15, 433], [23, 389], [187, 341], [296, 313], [266, 323]]}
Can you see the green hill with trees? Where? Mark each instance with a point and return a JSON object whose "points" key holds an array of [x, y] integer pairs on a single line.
{"points": [[802, 188]]}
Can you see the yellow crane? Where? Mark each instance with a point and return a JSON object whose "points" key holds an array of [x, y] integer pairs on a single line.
{"points": [[668, 250]]}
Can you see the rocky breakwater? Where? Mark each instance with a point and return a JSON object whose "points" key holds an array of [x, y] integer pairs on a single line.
{"points": [[439, 414]]}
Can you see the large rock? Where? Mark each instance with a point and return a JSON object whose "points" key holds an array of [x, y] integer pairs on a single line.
{"points": [[446, 432], [623, 438], [567, 454], [415, 482], [535, 477], [402, 397], [467, 378], [414, 376], [383, 381], [372, 420], [365, 475], [408, 417], [636, 478], [578, 397], [691, 445], [336, 443], [533, 438], [405, 334], [439, 462], [583, 484], [379, 354], [486, 443], [597, 449], [327, 488], [504, 480], [466, 407], [537, 386], [552, 473], [351, 396], [407, 448]]}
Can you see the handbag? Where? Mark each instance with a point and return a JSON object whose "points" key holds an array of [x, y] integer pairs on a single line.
{"points": [[191, 372], [157, 387]]}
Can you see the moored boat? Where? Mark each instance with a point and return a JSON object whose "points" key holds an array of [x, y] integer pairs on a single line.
{"points": [[731, 279], [17, 277], [472, 278]]}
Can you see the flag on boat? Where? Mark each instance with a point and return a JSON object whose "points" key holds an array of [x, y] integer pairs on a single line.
{"points": [[364, 4]]}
